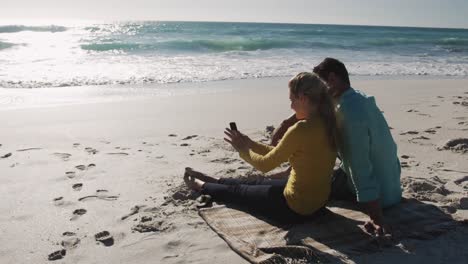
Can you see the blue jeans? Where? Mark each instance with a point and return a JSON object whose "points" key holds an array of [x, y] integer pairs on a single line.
{"points": [[263, 196]]}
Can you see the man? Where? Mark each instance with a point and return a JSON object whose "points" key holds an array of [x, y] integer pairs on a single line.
{"points": [[370, 170]]}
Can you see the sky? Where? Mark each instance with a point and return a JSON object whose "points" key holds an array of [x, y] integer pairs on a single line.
{"points": [[420, 13]]}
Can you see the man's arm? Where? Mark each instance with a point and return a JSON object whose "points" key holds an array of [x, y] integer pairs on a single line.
{"points": [[357, 147], [283, 127]]}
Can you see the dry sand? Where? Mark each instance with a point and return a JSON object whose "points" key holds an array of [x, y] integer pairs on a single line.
{"points": [[102, 179]]}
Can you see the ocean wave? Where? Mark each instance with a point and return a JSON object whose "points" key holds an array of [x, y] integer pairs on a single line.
{"points": [[6, 45], [205, 45], [171, 73], [19, 28], [383, 42], [193, 45]]}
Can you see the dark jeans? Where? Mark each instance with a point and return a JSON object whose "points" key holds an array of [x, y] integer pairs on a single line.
{"points": [[340, 188], [263, 196]]}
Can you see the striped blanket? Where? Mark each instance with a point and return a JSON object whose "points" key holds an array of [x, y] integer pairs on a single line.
{"points": [[332, 236]]}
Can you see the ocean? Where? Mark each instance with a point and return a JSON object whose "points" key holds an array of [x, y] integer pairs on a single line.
{"points": [[38, 56]]}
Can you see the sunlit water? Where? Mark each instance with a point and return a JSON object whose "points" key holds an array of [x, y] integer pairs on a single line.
{"points": [[81, 54]]}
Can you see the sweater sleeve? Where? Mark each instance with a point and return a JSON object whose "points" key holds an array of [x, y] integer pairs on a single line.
{"points": [[277, 155], [357, 144], [260, 148]]}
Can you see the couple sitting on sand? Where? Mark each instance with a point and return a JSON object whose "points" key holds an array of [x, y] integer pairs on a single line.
{"points": [[330, 118]]}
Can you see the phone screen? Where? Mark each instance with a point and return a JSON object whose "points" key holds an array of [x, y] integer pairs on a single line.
{"points": [[233, 126]]}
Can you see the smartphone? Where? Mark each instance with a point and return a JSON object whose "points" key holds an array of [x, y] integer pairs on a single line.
{"points": [[233, 126]]}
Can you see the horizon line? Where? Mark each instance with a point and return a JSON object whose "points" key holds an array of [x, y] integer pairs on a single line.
{"points": [[2, 21]]}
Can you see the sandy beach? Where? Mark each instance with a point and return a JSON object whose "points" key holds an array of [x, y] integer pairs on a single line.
{"points": [[98, 171]]}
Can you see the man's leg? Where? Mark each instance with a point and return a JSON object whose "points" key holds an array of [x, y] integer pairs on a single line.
{"points": [[340, 188]]}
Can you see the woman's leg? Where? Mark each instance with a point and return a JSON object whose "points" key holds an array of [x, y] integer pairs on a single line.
{"points": [[233, 181], [189, 172], [267, 200], [257, 181]]}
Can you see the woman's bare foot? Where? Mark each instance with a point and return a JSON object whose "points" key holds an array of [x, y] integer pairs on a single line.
{"points": [[193, 183], [199, 175]]}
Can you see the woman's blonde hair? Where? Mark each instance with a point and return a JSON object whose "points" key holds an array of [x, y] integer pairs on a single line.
{"points": [[316, 90]]}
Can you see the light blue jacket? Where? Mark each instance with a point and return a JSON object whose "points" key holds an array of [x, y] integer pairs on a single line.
{"points": [[368, 151]]}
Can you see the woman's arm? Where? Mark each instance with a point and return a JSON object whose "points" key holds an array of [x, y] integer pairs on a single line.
{"points": [[281, 153], [260, 148]]}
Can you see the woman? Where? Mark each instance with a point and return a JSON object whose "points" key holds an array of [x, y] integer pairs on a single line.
{"points": [[309, 146]]}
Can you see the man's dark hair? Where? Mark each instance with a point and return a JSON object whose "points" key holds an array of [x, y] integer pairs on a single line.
{"points": [[329, 65]]}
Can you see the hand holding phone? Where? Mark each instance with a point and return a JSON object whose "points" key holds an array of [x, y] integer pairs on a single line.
{"points": [[233, 126]]}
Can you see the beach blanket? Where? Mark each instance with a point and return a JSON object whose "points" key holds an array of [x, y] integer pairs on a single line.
{"points": [[330, 237]]}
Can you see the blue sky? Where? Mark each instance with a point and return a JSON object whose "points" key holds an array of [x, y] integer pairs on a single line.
{"points": [[426, 13]]}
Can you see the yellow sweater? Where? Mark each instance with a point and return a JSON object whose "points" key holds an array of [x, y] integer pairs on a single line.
{"points": [[305, 145]]}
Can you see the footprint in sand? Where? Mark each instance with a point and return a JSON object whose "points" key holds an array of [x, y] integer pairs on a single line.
{"points": [[91, 150], [405, 156], [410, 133], [70, 242], [431, 131], [118, 153], [68, 233], [224, 160], [421, 114], [59, 254], [100, 194], [184, 145], [102, 197], [81, 167], [77, 213], [172, 135], [77, 186], [153, 225], [417, 140], [431, 189], [462, 179], [6, 156], [84, 167], [70, 174], [59, 201], [63, 156], [409, 163], [463, 182], [27, 149], [134, 210], [190, 137], [105, 238], [459, 145]]}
